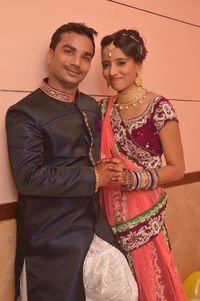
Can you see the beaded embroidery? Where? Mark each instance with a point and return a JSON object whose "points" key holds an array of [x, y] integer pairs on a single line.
{"points": [[122, 131], [55, 93], [139, 230], [91, 137]]}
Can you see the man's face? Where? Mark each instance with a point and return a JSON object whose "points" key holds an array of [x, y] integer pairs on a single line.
{"points": [[70, 61]]}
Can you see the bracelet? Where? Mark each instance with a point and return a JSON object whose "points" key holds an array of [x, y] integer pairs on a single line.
{"points": [[136, 180], [139, 180], [129, 186], [150, 180], [156, 179], [97, 180], [146, 180]]}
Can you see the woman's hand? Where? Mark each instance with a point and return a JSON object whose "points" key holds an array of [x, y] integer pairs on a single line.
{"points": [[111, 171]]}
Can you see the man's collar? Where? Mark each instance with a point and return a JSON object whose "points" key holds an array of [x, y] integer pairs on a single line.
{"points": [[46, 88]]}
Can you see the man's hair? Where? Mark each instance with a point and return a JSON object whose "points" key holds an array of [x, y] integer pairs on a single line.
{"points": [[79, 28]]}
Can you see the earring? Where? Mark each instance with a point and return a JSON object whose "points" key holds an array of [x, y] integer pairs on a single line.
{"points": [[138, 80], [108, 88]]}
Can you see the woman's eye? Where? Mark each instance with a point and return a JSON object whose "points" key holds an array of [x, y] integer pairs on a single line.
{"points": [[121, 63], [105, 65]]}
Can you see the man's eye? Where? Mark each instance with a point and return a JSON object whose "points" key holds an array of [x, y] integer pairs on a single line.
{"points": [[68, 51], [87, 58]]}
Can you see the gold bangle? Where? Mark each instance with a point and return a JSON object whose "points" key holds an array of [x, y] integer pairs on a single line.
{"points": [[144, 179], [97, 180]]}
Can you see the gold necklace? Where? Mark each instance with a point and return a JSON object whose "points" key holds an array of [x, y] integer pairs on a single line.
{"points": [[131, 97]]}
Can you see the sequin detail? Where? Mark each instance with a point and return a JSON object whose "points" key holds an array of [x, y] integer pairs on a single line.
{"points": [[138, 138], [141, 229], [55, 93], [91, 138]]}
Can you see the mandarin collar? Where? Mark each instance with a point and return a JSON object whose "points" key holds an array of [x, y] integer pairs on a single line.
{"points": [[61, 96]]}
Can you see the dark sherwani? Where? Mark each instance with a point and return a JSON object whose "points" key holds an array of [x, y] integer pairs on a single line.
{"points": [[52, 149]]}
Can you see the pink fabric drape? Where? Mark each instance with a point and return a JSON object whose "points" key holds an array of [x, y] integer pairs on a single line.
{"points": [[154, 266]]}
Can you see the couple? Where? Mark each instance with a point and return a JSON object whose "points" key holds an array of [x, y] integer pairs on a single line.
{"points": [[65, 248]]}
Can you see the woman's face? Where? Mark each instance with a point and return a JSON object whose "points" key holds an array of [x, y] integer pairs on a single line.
{"points": [[119, 70]]}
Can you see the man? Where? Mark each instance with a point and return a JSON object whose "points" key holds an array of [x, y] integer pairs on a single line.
{"points": [[53, 148]]}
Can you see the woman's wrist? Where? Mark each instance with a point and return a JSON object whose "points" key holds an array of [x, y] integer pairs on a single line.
{"points": [[141, 180], [130, 182]]}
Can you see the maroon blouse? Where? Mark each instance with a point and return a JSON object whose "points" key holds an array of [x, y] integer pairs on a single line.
{"points": [[138, 137]]}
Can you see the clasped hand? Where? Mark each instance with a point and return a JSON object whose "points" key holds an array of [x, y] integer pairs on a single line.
{"points": [[112, 171]]}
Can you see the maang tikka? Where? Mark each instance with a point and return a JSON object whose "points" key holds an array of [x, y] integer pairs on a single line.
{"points": [[110, 47]]}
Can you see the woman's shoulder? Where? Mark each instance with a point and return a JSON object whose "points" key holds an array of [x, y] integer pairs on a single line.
{"points": [[158, 101], [158, 98], [162, 111]]}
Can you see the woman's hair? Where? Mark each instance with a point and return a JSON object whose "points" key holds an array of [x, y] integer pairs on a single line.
{"points": [[129, 41]]}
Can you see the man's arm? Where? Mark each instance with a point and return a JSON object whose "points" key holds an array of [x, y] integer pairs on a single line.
{"points": [[25, 146]]}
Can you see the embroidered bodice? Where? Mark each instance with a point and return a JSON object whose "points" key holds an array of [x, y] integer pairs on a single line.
{"points": [[138, 138]]}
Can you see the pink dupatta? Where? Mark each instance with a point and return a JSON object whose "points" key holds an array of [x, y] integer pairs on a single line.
{"points": [[137, 220]]}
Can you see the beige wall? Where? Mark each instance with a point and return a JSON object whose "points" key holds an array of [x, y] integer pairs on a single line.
{"points": [[182, 220], [7, 256], [171, 69]]}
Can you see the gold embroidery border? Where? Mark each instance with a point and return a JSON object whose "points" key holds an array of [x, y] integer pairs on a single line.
{"points": [[126, 226]]}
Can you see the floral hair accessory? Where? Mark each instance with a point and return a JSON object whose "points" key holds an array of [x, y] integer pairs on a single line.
{"points": [[136, 40]]}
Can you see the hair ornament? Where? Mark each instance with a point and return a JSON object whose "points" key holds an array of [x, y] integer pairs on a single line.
{"points": [[110, 47], [133, 38]]}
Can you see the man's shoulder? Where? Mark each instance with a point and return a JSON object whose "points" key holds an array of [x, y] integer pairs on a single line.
{"points": [[36, 105], [88, 101], [28, 99]]}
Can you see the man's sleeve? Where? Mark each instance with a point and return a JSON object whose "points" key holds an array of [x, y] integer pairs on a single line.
{"points": [[25, 147]]}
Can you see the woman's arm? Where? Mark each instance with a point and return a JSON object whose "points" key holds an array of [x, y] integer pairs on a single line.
{"points": [[173, 153]]}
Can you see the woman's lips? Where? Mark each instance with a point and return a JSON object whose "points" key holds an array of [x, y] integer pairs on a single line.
{"points": [[115, 79]]}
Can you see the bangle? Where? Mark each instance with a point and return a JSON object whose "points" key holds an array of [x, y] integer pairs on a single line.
{"points": [[129, 186], [150, 180], [135, 180], [97, 180], [145, 179], [139, 180], [156, 179]]}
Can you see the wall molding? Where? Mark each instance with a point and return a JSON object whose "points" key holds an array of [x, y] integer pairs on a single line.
{"points": [[189, 178], [98, 95], [153, 13], [8, 210]]}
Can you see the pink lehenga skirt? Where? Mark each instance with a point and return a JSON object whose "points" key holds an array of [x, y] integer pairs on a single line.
{"points": [[137, 220]]}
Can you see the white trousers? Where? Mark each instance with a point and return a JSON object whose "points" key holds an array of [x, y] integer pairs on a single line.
{"points": [[106, 275]]}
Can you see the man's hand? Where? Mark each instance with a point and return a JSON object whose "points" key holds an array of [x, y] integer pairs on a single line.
{"points": [[111, 171]]}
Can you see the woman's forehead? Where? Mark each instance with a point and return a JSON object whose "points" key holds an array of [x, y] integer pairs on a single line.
{"points": [[113, 53]]}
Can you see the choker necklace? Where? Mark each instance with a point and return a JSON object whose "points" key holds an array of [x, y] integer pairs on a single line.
{"points": [[131, 97]]}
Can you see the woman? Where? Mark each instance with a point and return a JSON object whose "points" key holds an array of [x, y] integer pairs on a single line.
{"points": [[139, 126]]}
